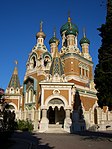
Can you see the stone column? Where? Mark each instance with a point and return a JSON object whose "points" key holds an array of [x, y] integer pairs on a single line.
{"points": [[44, 113], [36, 119], [67, 113], [44, 121], [67, 122]]}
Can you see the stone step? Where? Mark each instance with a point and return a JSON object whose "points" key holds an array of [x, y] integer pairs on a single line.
{"points": [[54, 126]]}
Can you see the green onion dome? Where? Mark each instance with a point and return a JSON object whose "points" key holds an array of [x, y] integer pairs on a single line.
{"points": [[84, 40], [67, 26], [71, 31], [53, 40]]}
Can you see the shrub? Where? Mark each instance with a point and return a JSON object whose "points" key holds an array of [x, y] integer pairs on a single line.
{"points": [[25, 125]]}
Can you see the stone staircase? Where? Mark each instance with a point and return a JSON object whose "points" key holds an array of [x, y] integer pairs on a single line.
{"points": [[55, 128]]}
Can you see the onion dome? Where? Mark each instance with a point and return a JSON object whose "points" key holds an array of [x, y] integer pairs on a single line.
{"points": [[54, 39], [41, 33], [71, 31], [67, 26], [84, 39]]}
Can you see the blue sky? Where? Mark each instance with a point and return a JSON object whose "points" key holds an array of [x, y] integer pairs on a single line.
{"points": [[19, 23]]}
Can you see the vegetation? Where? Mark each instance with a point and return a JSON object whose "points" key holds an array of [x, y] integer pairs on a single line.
{"points": [[7, 117], [25, 125], [103, 70]]}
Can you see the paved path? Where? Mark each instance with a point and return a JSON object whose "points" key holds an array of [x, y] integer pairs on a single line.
{"points": [[71, 141], [25, 140]]}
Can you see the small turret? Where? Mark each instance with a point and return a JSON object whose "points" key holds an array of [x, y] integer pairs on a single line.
{"points": [[84, 42], [40, 36], [52, 43]]}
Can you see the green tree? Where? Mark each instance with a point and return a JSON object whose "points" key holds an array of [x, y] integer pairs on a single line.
{"points": [[7, 118], [103, 70]]}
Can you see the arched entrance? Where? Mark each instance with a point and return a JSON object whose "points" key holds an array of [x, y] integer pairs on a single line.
{"points": [[56, 112], [56, 116]]}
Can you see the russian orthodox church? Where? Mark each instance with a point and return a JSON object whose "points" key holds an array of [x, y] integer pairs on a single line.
{"points": [[58, 87]]}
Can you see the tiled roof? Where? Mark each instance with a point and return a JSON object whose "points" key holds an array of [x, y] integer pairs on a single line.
{"points": [[14, 81], [56, 66]]}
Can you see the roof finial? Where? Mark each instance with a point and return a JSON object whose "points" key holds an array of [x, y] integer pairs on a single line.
{"points": [[41, 26], [69, 19], [54, 31], [84, 32], [15, 69], [16, 62]]}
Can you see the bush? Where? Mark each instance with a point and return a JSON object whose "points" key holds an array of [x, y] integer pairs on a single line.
{"points": [[25, 125]]}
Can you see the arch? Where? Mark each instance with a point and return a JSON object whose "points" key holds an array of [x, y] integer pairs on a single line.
{"points": [[33, 60], [12, 104], [58, 97], [47, 54], [55, 115], [33, 55]]}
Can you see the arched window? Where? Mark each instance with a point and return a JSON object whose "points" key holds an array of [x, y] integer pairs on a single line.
{"points": [[34, 62], [46, 60], [30, 95], [12, 90]]}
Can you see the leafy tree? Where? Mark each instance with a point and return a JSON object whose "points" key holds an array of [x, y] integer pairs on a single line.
{"points": [[103, 70], [7, 118]]}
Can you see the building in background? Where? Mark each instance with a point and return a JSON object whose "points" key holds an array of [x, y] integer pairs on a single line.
{"points": [[58, 87]]}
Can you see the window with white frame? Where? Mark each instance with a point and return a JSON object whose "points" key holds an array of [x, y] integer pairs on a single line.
{"points": [[83, 70], [29, 95]]}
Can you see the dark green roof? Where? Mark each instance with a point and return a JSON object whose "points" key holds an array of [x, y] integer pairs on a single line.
{"points": [[53, 40], [71, 31], [67, 26], [84, 40]]}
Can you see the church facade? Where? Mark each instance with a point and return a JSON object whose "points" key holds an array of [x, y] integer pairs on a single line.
{"points": [[58, 87]]}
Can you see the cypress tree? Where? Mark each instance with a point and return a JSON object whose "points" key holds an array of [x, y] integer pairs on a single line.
{"points": [[103, 70]]}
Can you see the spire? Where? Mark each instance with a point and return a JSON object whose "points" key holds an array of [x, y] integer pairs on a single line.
{"points": [[54, 31], [84, 32], [69, 19], [54, 39], [56, 66], [56, 54], [41, 26], [14, 81], [15, 69], [84, 38]]}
